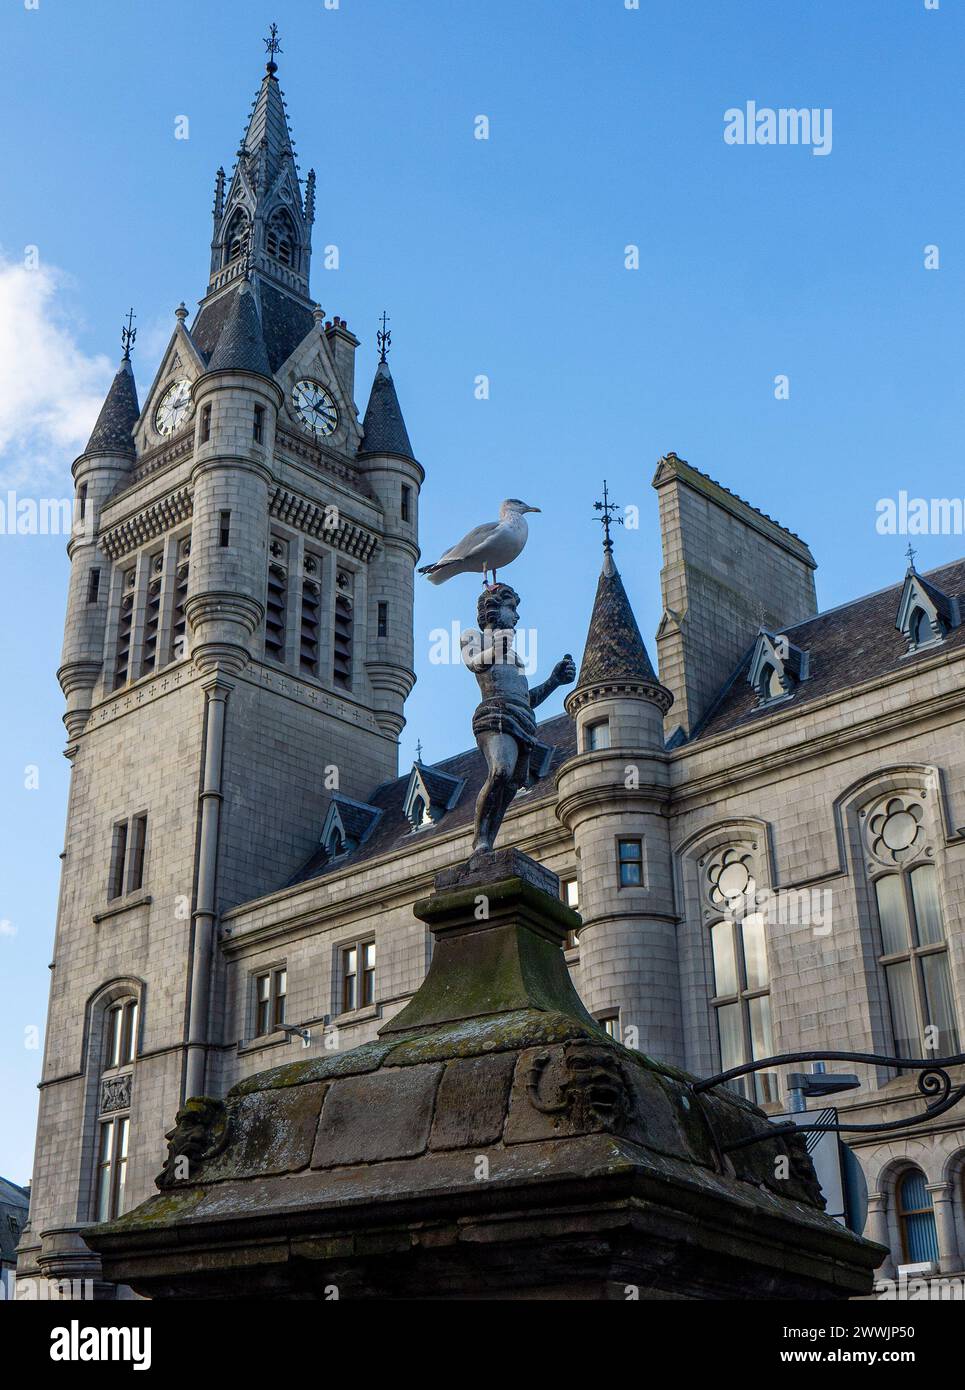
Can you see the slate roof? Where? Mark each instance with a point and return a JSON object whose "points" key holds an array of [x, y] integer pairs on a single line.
{"points": [[846, 646], [355, 818], [614, 649], [114, 431], [393, 830], [439, 787], [383, 429], [285, 322], [14, 1203], [241, 344]]}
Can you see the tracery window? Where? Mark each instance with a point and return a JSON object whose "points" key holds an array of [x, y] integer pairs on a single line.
{"points": [[913, 947]]}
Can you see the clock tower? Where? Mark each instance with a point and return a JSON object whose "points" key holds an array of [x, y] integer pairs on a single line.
{"points": [[238, 646]]}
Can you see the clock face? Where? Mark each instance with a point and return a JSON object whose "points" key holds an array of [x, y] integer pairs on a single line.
{"points": [[173, 408], [314, 407]]}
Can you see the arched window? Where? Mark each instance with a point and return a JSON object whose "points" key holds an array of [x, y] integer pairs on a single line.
{"points": [[237, 239], [336, 845], [280, 238], [771, 687], [117, 1045], [916, 1218], [915, 956], [920, 628]]}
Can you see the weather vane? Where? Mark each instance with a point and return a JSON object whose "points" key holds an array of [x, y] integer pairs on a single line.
{"points": [[128, 334], [384, 338], [273, 47], [911, 553], [607, 507]]}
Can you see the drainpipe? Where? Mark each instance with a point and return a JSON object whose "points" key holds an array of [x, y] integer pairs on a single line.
{"points": [[216, 698]]}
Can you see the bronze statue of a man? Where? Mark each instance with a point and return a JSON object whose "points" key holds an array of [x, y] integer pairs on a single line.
{"points": [[503, 723]]}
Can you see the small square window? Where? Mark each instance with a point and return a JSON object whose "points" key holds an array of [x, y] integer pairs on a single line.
{"points": [[630, 857], [597, 736], [610, 1023]]}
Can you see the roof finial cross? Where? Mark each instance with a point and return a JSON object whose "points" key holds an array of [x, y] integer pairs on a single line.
{"points": [[128, 334], [418, 751], [607, 507], [911, 553], [384, 338], [273, 46]]}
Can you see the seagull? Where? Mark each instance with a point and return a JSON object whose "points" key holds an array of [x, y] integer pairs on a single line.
{"points": [[491, 546]]}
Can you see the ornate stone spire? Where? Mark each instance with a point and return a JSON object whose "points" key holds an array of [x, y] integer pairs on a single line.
{"points": [[264, 198]]}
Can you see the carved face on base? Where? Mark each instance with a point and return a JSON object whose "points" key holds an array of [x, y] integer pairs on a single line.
{"points": [[497, 608]]}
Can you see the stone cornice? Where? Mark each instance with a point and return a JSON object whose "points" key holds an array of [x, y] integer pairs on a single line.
{"points": [[146, 523], [350, 537]]}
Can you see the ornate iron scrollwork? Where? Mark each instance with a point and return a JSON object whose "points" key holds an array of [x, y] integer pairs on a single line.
{"points": [[934, 1082]]}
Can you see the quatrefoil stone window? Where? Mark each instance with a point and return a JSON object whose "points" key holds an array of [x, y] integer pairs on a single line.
{"points": [[896, 831]]}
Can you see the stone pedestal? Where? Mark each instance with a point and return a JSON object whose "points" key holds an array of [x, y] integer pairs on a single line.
{"points": [[494, 1142]]}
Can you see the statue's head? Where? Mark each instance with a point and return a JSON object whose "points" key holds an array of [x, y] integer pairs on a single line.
{"points": [[496, 609]]}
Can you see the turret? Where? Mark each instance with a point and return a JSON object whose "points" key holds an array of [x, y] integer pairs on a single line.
{"points": [[103, 467], [387, 463], [612, 797], [236, 408]]}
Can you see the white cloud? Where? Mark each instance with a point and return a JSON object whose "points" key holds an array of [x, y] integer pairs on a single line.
{"points": [[7, 928], [50, 390]]}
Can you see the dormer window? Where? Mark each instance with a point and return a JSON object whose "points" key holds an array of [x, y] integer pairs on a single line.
{"points": [[925, 614], [347, 825], [777, 668], [429, 795]]}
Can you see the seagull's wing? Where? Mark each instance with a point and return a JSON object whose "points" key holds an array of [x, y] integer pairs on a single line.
{"points": [[470, 545]]}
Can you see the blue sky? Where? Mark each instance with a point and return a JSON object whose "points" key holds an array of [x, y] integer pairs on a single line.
{"points": [[502, 257]]}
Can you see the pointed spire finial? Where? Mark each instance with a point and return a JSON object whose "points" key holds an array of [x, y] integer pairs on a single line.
{"points": [[607, 507], [418, 751], [273, 46], [911, 553], [128, 334], [384, 338]]}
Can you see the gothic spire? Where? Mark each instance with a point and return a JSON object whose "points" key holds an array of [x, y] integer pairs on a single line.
{"points": [[264, 198]]}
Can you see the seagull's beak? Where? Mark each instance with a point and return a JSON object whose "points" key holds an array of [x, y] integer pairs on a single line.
{"points": [[533, 509]]}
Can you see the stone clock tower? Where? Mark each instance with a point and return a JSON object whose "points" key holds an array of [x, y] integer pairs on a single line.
{"points": [[238, 644]]}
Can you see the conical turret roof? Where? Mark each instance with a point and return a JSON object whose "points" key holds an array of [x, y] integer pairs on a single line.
{"points": [[241, 346], [615, 653], [383, 428], [114, 431]]}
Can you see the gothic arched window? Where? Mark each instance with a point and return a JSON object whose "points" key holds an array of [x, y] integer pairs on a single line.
{"points": [[237, 237], [115, 1044], [280, 241]]}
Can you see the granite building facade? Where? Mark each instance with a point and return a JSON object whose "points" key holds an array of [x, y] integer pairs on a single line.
{"points": [[763, 841]]}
